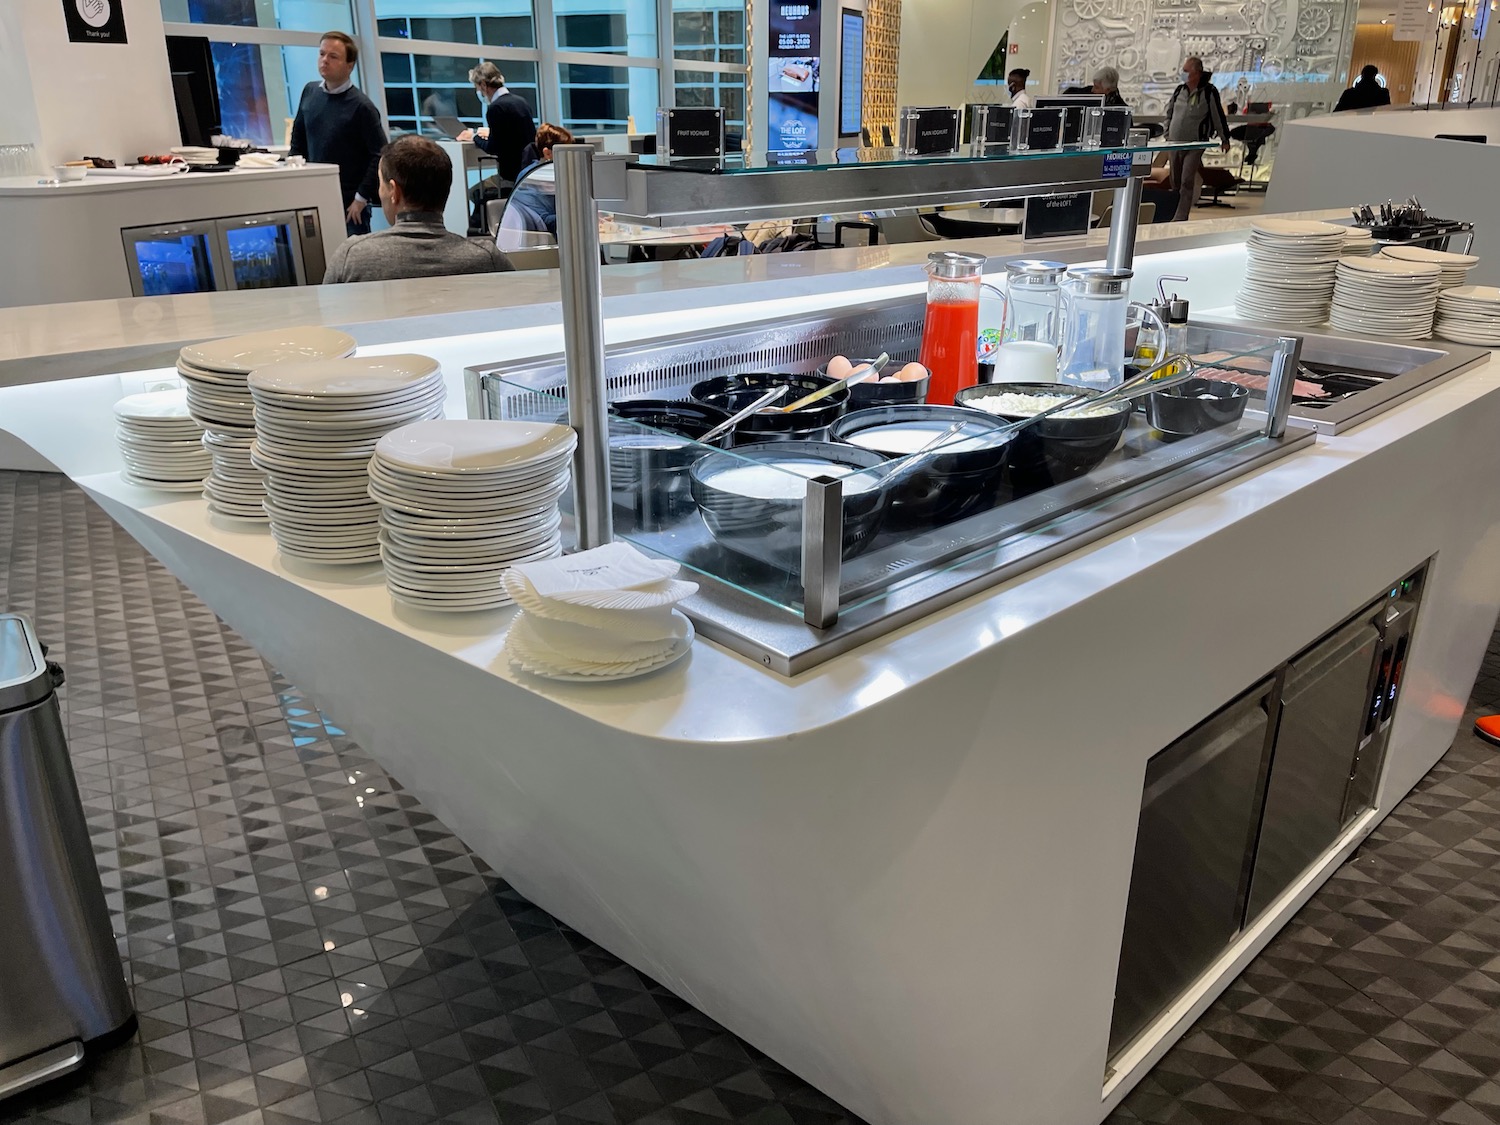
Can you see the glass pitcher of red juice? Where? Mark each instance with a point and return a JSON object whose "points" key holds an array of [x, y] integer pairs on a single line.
{"points": [[950, 335]]}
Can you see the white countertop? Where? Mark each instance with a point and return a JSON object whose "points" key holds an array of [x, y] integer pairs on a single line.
{"points": [[98, 182]]}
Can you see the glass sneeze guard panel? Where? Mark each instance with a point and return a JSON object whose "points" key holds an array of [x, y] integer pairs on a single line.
{"points": [[741, 515]]}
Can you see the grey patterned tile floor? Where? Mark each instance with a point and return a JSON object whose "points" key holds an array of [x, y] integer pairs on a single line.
{"points": [[306, 943]]}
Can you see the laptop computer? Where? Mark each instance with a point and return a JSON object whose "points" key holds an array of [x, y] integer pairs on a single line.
{"points": [[451, 126]]}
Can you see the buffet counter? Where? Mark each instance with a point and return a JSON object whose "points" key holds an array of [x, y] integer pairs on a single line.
{"points": [[903, 874]]}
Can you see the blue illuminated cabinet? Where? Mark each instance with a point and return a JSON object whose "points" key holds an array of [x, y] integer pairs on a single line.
{"points": [[269, 251]]}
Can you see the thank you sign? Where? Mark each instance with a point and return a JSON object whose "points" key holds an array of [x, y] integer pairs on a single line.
{"points": [[95, 21]]}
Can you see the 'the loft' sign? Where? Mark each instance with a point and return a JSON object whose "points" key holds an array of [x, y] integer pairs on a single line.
{"points": [[95, 21]]}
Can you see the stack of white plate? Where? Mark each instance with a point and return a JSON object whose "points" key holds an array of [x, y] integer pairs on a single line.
{"points": [[1384, 297], [219, 400], [1455, 267], [605, 614], [316, 426], [461, 500], [197, 154], [1358, 240], [1289, 271], [1470, 314], [161, 444]]}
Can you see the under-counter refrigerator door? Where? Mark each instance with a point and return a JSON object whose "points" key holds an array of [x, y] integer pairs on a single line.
{"points": [[1322, 719], [172, 259], [1199, 812], [262, 251]]}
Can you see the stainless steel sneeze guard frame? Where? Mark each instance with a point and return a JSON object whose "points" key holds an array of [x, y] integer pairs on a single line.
{"points": [[682, 196]]}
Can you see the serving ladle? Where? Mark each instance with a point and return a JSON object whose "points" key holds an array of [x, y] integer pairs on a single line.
{"points": [[1149, 380]]}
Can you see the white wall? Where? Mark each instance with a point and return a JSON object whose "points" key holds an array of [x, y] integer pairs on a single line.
{"points": [[945, 44], [77, 99]]}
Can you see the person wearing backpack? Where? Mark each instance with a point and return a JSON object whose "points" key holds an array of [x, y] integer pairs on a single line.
{"points": [[1195, 113]]}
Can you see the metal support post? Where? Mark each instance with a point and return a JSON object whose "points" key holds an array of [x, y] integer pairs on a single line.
{"points": [[583, 342], [822, 550], [1284, 365], [1121, 254]]}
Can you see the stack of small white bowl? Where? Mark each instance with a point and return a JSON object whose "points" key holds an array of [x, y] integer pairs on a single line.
{"points": [[219, 400], [462, 499], [1289, 271], [605, 614], [160, 443], [316, 426], [1470, 314], [1455, 267], [1385, 297]]}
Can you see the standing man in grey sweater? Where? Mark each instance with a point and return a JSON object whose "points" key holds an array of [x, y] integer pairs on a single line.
{"points": [[1195, 113], [337, 124], [415, 177]]}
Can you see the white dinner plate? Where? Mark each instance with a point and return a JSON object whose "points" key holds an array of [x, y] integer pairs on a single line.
{"points": [[243, 354]]}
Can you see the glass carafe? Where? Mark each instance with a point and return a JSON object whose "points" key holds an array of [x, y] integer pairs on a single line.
{"points": [[950, 333], [1030, 329], [1095, 304]]}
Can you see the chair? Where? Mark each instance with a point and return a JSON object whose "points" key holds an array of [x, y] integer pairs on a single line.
{"points": [[537, 258], [885, 137], [1217, 180], [908, 227], [864, 137], [1253, 137], [1144, 217]]}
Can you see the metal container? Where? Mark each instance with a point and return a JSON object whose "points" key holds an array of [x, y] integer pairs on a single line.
{"points": [[61, 981]]}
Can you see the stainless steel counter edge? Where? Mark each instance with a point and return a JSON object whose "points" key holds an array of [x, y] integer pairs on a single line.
{"points": [[43, 343]]}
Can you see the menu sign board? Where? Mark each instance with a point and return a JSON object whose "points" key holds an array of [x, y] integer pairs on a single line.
{"points": [[851, 72], [1413, 20], [796, 61]]}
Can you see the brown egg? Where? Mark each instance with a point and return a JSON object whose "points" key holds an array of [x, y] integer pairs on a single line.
{"points": [[839, 367], [913, 372]]}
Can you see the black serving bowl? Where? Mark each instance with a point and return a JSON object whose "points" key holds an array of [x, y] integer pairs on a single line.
{"points": [[735, 392], [766, 522], [1059, 448], [948, 485], [873, 393], [1196, 405], [648, 470]]}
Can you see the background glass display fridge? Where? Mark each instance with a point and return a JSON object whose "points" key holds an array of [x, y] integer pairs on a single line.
{"points": [[214, 255]]}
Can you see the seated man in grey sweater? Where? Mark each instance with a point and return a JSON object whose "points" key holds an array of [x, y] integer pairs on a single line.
{"points": [[415, 175]]}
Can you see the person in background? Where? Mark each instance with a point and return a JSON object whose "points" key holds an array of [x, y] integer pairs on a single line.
{"points": [[337, 124], [1195, 113], [1366, 93], [415, 176], [540, 149], [509, 124], [530, 215], [1107, 82], [1015, 82]]}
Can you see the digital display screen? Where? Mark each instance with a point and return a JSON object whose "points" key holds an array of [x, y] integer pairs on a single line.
{"points": [[795, 74], [851, 72]]}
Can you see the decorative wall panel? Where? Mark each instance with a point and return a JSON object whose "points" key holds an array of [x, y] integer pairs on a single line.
{"points": [[882, 51], [1280, 51]]}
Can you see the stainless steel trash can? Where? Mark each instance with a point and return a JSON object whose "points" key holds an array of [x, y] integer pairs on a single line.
{"points": [[61, 981]]}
